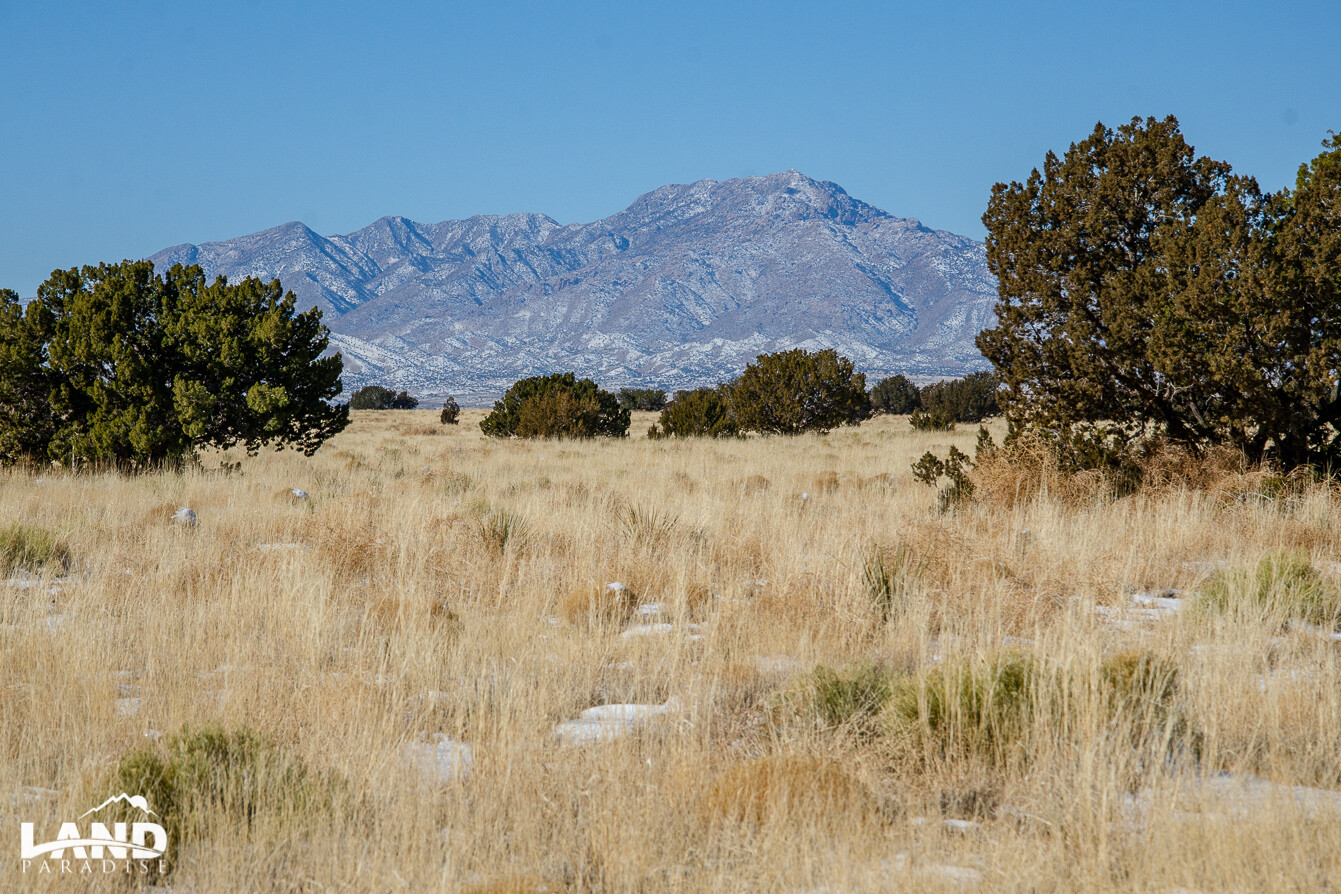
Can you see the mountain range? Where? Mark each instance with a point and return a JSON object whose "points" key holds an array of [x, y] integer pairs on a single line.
{"points": [[682, 288]]}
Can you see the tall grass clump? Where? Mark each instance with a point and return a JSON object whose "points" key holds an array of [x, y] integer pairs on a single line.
{"points": [[24, 548], [1284, 585]]}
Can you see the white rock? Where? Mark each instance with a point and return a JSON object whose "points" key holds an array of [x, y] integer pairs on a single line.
{"points": [[300, 493], [805, 496], [616, 587], [443, 759], [605, 722], [268, 547], [128, 707], [184, 516], [649, 608]]}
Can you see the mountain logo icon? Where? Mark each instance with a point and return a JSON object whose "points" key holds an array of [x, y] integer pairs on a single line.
{"points": [[137, 801]]}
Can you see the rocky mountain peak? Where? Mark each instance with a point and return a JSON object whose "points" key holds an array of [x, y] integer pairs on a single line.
{"points": [[683, 287]]}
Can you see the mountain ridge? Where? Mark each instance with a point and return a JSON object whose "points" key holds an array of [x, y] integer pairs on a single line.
{"points": [[683, 287]]}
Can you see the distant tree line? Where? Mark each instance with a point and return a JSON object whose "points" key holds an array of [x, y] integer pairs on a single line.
{"points": [[784, 393], [375, 397]]}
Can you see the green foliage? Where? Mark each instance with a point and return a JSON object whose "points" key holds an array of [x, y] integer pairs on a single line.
{"points": [[795, 391], [650, 399], [853, 697], [211, 778], [1144, 291], [701, 413], [556, 406], [375, 397], [451, 413], [118, 365], [34, 550], [955, 467], [970, 399], [983, 706], [1283, 585], [924, 421], [896, 395]]}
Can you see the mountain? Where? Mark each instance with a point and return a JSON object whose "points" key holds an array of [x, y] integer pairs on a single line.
{"points": [[682, 288]]}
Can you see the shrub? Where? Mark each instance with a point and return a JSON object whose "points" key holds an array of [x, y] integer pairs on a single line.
{"points": [[851, 698], [955, 468], [650, 399], [1283, 585], [34, 550], [556, 406], [451, 413], [202, 779], [701, 413], [970, 399], [375, 397], [795, 391], [924, 421], [983, 706], [896, 395]]}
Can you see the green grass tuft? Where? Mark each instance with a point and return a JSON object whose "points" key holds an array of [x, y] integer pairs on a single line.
{"points": [[34, 550]]}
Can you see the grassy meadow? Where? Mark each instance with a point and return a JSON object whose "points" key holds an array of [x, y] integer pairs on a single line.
{"points": [[842, 689]]}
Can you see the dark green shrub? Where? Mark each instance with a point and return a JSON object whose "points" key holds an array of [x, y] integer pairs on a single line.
{"points": [[34, 550], [955, 468], [924, 421], [701, 413], [648, 399], [970, 399], [896, 395], [375, 397], [451, 413], [556, 406], [795, 391]]}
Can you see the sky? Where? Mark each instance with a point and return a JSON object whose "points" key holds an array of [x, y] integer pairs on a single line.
{"points": [[128, 127]]}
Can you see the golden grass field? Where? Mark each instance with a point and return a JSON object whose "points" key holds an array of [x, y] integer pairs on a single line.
{"points": [[438, 584]]}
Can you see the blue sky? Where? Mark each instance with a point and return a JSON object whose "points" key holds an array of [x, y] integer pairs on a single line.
{"points": [[131, 126]]}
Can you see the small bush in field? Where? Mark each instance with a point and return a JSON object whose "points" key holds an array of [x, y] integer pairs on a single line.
{"points": [[853, 696], [1284, 584], [30, 549], [212, 777], [984, 707], [451, 412]]}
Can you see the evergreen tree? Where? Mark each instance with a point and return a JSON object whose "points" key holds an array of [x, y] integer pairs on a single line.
{"points": [[1145, 291], [556, 406], [796, 391], [117, 365]]}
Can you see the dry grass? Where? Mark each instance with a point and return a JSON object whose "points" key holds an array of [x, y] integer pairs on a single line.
{"points": [[437, 584]]}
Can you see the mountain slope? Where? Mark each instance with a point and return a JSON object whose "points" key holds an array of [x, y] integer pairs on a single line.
{"points": [[684, 287]]}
